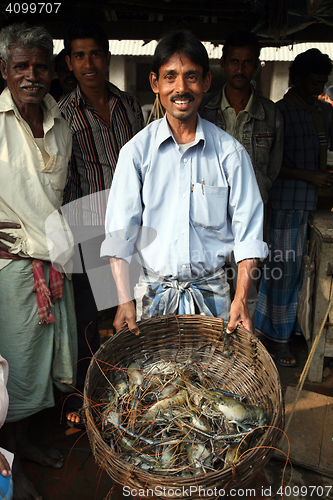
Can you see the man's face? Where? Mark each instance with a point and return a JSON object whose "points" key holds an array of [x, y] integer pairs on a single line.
{"points": [[65, 76], [310, 87], [28, 74], [240, 66], [180, 85], [88, 62]]}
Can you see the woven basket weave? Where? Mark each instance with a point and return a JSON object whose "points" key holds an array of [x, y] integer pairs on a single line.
{"points": [[239, 364]]}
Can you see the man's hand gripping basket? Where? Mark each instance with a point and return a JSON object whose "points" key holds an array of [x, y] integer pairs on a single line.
{"points": [[201, 351]]}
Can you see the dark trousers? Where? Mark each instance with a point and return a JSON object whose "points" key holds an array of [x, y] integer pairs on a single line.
{"points": [[87, 326]]}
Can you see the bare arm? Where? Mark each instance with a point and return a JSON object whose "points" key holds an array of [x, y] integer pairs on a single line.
{"points": [[4, 466], [320, 178], [239, 313], [126, 310]]}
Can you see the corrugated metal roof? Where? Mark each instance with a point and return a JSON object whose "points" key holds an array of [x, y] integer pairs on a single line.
{"points": [[288, 53], [140, 48]]}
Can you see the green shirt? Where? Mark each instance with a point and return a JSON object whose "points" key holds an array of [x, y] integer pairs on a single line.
{"points": [[235, 123]]}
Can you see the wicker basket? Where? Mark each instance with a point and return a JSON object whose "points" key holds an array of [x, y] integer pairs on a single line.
{"points": [[239, 363]]}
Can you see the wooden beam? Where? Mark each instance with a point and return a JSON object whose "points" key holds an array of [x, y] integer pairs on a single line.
{"points": [[154, 30]]}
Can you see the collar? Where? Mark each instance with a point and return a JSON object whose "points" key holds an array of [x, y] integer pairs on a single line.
{"points": [[248, 108], [48, 104], [257, 112], [294, 98], [215, 102], [164, 132], [112, 91]]}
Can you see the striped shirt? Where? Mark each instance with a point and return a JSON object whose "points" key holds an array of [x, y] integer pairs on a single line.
{"points": [[95, 152]]}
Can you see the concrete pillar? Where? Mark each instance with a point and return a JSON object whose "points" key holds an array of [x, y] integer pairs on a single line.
{"points": [[280, 80], [274, 79], [117, 71], [131, 76], [266, 78]]}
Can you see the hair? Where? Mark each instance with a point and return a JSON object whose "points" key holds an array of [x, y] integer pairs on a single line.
{"points": [[23, 35], [180, 41], [241, 39], [329, 92], [86, 29], [311, 61]]}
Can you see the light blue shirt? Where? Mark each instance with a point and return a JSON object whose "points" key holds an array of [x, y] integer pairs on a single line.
{"points": [[183, 213]]}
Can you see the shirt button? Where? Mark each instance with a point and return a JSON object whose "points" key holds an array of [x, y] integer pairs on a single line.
{"points": [[184, 195], [183, 232], [183, 266], [185, 160]]}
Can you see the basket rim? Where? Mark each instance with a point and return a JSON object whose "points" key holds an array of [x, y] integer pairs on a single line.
{"points": [[129, 474]]}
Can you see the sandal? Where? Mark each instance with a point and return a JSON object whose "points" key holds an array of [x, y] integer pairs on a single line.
{"points": [[281, 352], [73, 405], [79, 412]]}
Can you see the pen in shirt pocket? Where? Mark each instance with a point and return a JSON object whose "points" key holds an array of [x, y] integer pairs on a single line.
{"points": [[202, 185]]}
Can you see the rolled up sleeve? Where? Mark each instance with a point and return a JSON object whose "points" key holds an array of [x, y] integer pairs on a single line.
{"points": [[246, 209], [124, 209]]}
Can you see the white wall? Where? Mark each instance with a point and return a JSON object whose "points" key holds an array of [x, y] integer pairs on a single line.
{"points": [[117, 71], [280, 80]]}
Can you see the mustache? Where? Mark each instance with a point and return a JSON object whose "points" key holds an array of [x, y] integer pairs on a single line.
{"points": [[28, 85], [181, 96], [237, 76]]}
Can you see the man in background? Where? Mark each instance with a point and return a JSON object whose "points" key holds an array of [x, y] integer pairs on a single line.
{"points": [[65, 81], [252, 119], [102, 119], [307, 136]]}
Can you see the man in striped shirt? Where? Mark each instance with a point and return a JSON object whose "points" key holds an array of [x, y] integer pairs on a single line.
{"points": [[102, 119]]}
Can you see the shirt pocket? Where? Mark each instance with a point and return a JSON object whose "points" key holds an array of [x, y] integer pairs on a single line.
{"points": [[209, 206], [55, 172], [263, 140], [262, 147]]}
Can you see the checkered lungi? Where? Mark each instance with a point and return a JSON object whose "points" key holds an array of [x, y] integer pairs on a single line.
{"points": [[156, 295], [38, 353], [276, 315]]}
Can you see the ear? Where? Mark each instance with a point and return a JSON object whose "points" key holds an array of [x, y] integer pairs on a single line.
{"points": [[68, 61], [153, 79], [222, 63], [257, 64], [3, 69], [207, 81]]}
